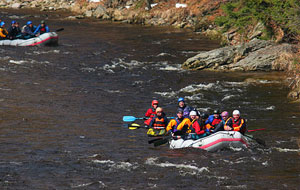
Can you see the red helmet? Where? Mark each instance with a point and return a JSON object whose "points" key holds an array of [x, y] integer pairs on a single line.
{"points": [[154, 102]]}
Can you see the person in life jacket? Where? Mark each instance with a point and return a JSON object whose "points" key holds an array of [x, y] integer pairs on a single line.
{"points": [[28, 30], [172, 126], [3, 31], [235, 123], [160, 121], [151, 112], [214, 121], [220, 126], [14, 30], [185, 109], [42, 28], [189, 128]]}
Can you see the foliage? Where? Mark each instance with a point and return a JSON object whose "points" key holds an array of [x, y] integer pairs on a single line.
{"points": [[272, 13]]}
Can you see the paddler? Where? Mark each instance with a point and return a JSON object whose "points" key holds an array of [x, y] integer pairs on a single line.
{"points": [[3, 31], [172, 126], [235, 123], [42, 28], [190, 128], [185, 109], [158, 124], [214, 121], [151, 112], [220, 126]]}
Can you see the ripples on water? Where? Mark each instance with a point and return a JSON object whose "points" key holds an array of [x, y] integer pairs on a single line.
{"points": [[62, 108]]}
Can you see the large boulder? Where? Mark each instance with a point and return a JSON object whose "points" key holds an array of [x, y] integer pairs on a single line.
{"points": [[255, 55], [16, 5], [100, 12]]}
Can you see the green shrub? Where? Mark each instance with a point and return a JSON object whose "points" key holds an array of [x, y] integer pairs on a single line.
{"points": [[241, 13]]}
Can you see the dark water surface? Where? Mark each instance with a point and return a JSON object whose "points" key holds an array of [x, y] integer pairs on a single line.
{"points": [[62, 109]]}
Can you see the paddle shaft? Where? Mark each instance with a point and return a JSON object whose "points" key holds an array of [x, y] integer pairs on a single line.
{"points": [[256, 130]]}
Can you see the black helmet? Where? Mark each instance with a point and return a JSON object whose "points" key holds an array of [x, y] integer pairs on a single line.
{"points": [[217, 111], [204, 115], [179, 110]]}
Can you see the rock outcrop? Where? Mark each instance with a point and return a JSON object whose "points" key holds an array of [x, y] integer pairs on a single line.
{"points": [[257, 55]]}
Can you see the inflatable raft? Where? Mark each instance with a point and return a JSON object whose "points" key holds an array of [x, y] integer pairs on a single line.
{"points": [[214, 142], [50, 38]]}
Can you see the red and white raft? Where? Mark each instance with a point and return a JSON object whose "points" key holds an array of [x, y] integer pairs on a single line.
{"points": [[50, 38], [214, 142]]}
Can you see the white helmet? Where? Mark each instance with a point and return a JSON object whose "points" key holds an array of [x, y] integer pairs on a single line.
{"points": [[236, 112], [193, 113]]}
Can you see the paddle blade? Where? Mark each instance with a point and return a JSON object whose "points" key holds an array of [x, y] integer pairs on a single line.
{"points": [[58, 30], [154, 140], [162, 141], [133, 126], [260, 141], [129, 118]]}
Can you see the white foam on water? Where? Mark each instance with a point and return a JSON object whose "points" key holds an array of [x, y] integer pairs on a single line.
{"points": [[43, 52], [101, 185], [286, 149], [270, 108], [5, 58], [266, 163], [268, 81], [109, 68], [12, 163], [171, 68], [165, 54], [88, 69], [195, 97], [167, 94], [227, 97], [236, 187], [196, 87], [279, 142], [234, 84], [103, 161], [5, 89], [120, 165], [113, 91], [194, 169], [18, 62]]}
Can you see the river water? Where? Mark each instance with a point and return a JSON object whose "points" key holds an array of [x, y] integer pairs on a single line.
{"points": [[62, 109]]}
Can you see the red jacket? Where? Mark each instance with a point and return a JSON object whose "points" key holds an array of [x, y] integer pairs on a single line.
{"points": [[199, 130], [150, 113]]}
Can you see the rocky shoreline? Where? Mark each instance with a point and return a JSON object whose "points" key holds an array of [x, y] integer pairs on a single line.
{"points": [[255, 55]]}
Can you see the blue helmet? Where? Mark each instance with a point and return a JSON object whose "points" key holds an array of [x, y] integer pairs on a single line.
{"points": [[180, 99], [2, 23], [13, 22], [29, 22]]}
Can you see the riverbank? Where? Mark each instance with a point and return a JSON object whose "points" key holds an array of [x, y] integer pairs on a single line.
{"points": [[253, 47]]}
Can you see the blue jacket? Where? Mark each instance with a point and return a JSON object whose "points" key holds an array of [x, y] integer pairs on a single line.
{"points": [[210, 119], [38, 29]]}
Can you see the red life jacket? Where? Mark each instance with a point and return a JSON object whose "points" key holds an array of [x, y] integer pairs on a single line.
{"points": [[215, 122], [238, 125], [43, 30]]}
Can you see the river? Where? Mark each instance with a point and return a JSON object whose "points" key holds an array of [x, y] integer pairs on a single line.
{"points": [[62, 109]]}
